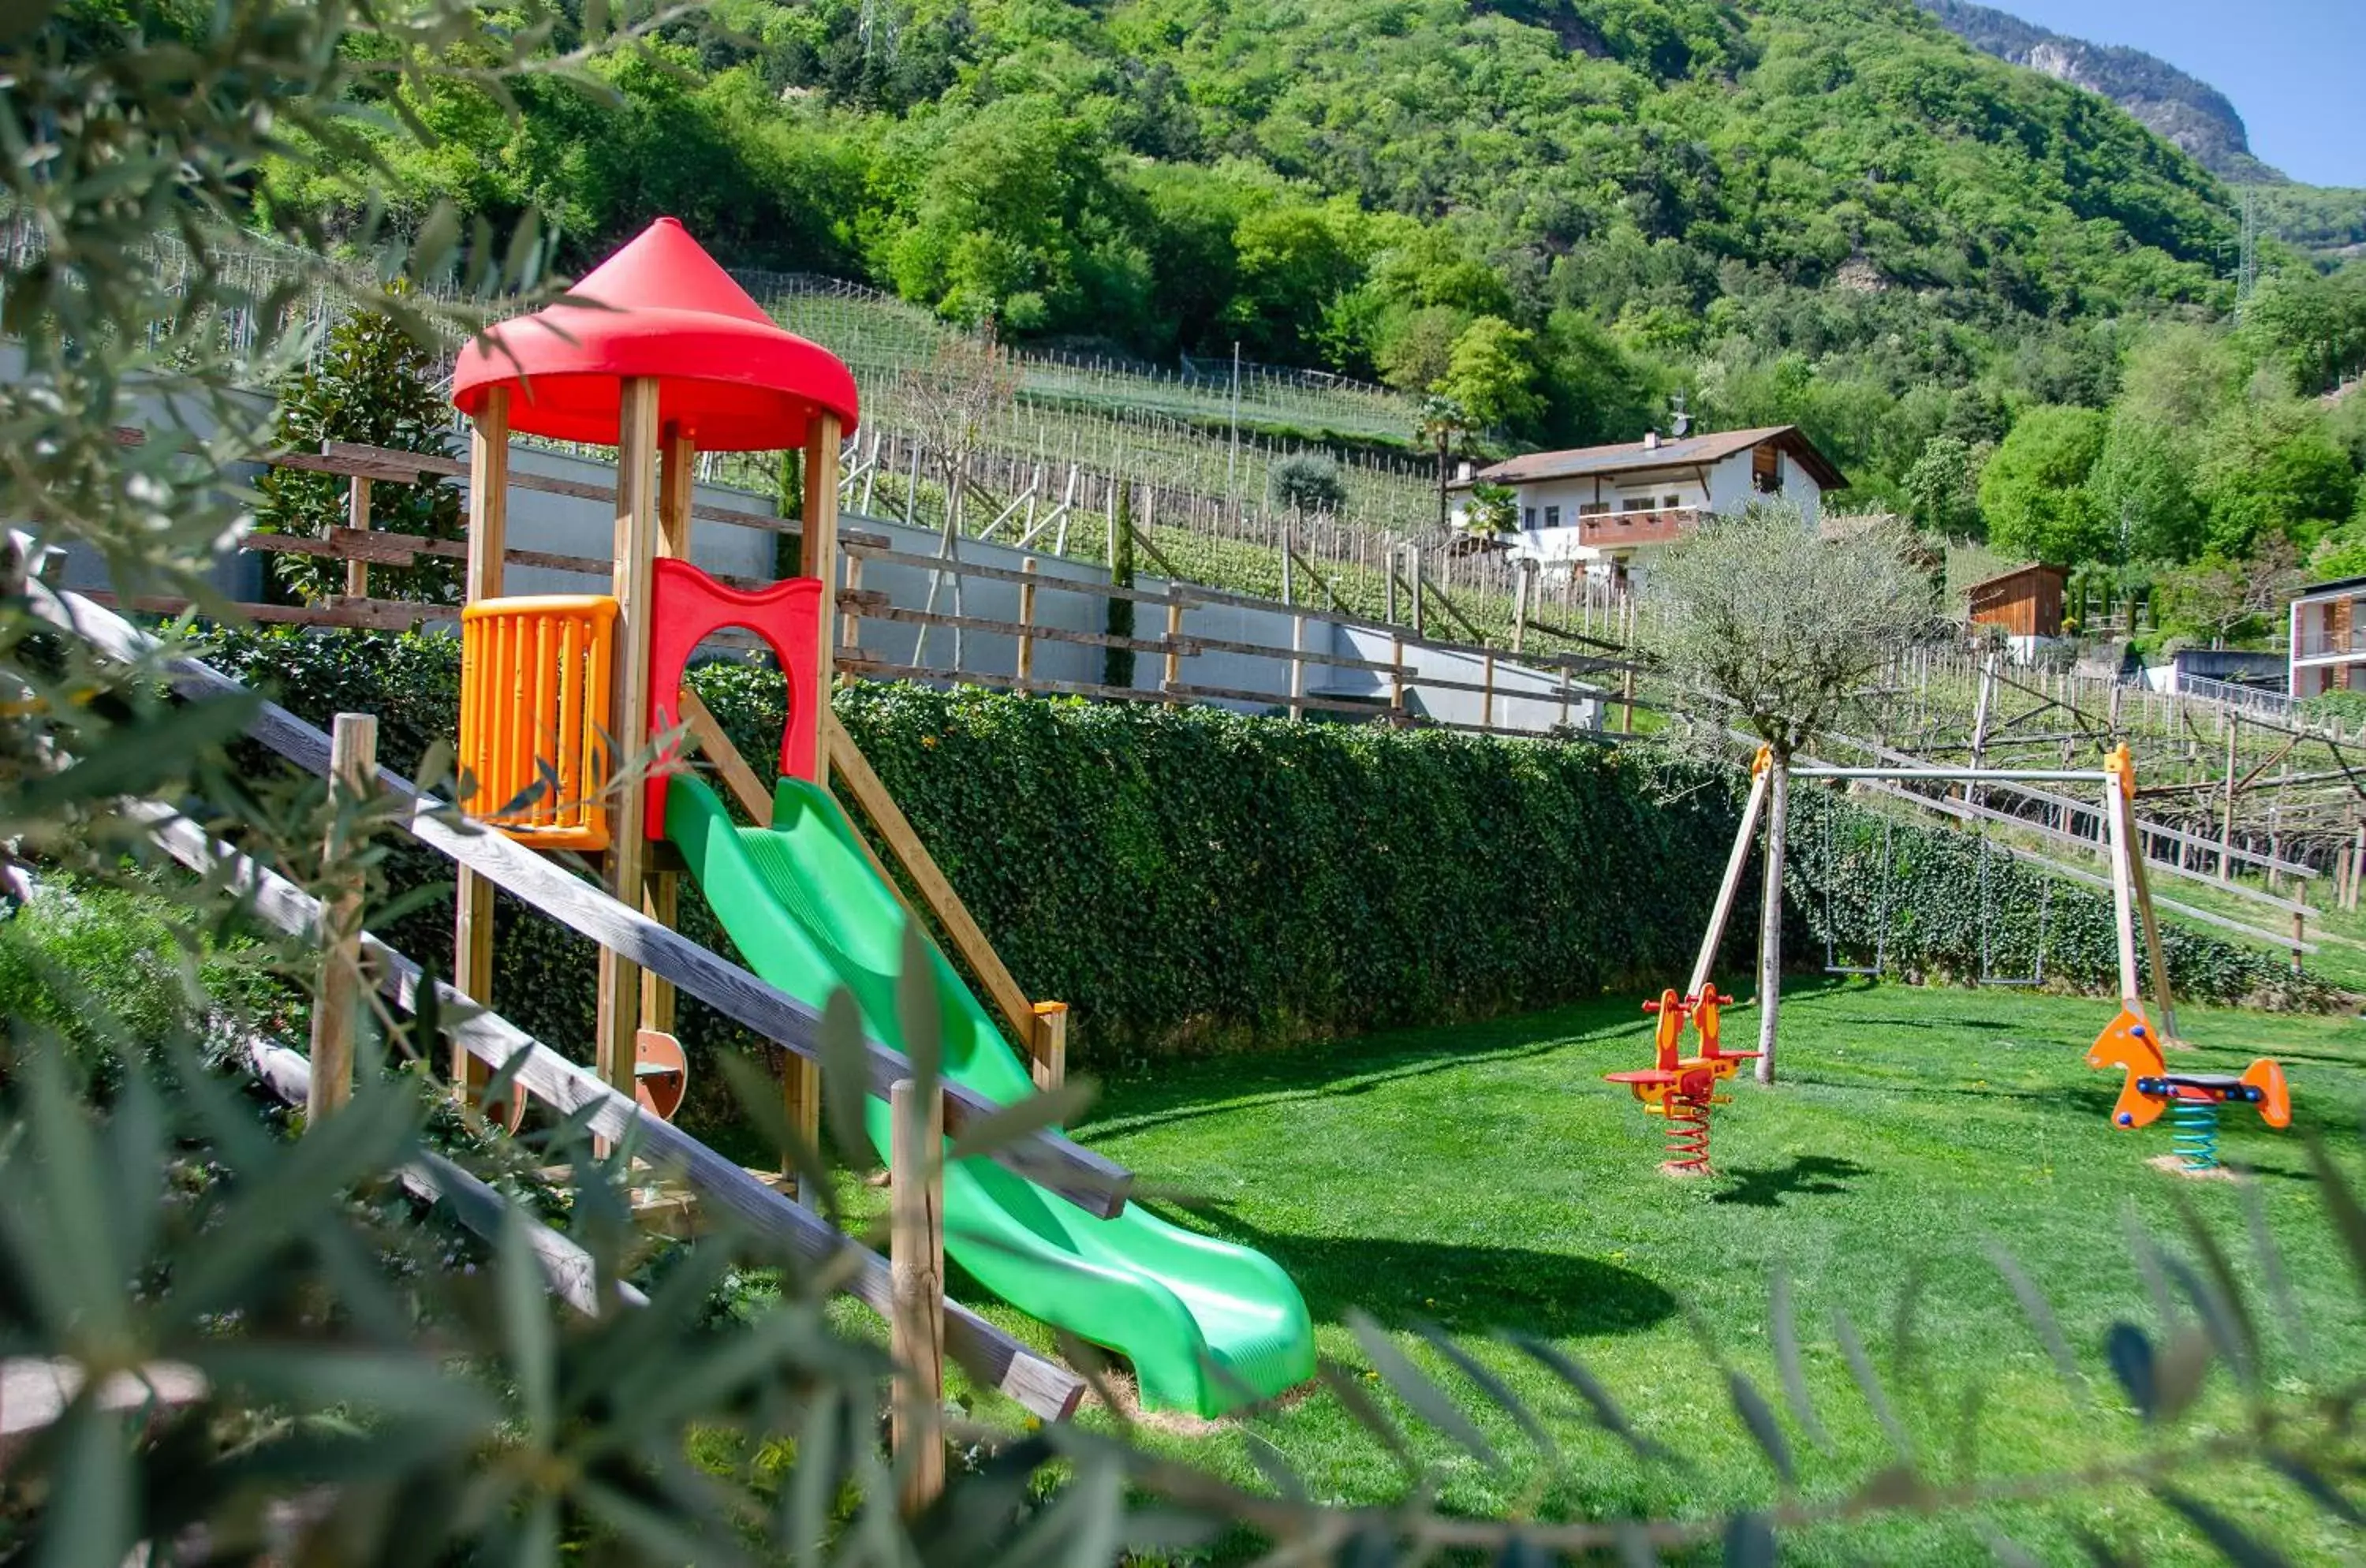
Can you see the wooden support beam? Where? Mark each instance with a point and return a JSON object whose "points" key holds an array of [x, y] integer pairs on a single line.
{"points": [[1172, 642], [706, 732], [821, 549], [634, 583], [337, 999], [917, 1256], [2155, 957], [1728, 889], [489, 512]]}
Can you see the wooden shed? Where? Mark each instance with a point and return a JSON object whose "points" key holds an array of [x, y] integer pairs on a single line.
{"points": [[2025, 602]]}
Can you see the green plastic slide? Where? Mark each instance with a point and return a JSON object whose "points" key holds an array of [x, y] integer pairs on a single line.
{"points": [[1205, 1323]]}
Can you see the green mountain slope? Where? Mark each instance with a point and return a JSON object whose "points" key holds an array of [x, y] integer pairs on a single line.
{"points": [[1559, 212]]}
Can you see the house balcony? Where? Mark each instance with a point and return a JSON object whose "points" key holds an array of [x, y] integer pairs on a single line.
{"points": [[2311, 645], [1622, 530]]}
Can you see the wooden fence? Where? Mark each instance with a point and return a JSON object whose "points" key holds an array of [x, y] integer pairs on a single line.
{"points": [[1503, 675]]}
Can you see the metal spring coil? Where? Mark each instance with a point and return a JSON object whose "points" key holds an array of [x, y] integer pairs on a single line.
{"points": [[1687, 1133], [2194, 1136]]}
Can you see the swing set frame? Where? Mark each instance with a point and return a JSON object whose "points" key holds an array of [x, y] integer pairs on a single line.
{"points": [[2132, 904]]}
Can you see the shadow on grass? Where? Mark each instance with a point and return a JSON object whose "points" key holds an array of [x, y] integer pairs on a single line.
{"points": [[1808, 1176], [1464, 1289]]}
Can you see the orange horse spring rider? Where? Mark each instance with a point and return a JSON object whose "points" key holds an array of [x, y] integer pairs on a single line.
{"points": [[1682, 1088]]}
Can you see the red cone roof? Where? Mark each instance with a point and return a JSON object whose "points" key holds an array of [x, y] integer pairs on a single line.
{"points": [[729, 378]]}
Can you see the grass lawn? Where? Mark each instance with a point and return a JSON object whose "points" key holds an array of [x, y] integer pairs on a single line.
{"points": [[1485, 1177]]}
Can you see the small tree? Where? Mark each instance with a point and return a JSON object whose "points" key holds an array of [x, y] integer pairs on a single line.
{"points": [[1307, 481], [373, 385], [1494, 511], [1775, 629]]}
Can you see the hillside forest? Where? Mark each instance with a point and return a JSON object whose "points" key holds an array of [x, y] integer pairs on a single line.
{"points": [[2003, 306]]}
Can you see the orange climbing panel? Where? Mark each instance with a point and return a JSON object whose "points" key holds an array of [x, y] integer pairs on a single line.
{"points": [[535, 675]]}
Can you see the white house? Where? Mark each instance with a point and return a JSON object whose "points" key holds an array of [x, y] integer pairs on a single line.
{"points": [[1592, 507]]}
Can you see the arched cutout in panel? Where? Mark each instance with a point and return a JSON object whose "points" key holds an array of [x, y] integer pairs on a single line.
{"points": [[686, 608]]}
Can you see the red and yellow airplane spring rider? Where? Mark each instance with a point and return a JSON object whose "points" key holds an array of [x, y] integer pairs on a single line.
{"points": [[1682, 1089]]}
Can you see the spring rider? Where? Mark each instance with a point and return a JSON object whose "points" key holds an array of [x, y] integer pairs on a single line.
{"points": [[2192, 1098], [1683, 1088]]}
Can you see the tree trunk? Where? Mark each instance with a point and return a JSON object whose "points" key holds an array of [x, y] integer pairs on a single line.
{"points": [[1770, 918]]}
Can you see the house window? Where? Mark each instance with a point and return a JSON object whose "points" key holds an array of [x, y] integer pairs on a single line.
{"points": [[1552, 516], [1636, 503], [1670, 503], [1528, 518], [1765, 469], [1592, 508]]}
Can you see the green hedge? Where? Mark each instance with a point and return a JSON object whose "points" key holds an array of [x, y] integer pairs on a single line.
{"points": [[1191, 879]]}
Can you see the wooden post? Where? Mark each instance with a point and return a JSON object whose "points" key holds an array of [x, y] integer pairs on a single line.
{"points": [[821, 562], [2357, 863], [1396, 675], [661, 895], [1770, 920], [1297, 666], [352, 767], [1487, 689], [1522, 589], [847, 627], [488, 503], [357, 518], [1730, 889], [1174, 662], [1413, 560], [1027, 618], [2226, 816], [1981, 724], [916, 1268], [2123, 896], [635, 547], [1627, 701], [1049, 1053]]}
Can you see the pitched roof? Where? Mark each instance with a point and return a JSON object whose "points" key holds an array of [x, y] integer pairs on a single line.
{"points": [[1681, 452]]}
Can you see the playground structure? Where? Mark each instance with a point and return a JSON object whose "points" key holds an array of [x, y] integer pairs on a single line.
{"points": [[2132, 1041], [1683, 1088], [678, 360]]}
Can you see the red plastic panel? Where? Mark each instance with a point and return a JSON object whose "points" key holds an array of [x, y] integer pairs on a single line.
{"points": [[687, 607]]}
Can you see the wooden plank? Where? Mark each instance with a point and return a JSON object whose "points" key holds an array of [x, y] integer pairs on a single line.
{"points": [[1004, 574], [1082, 1176], [904, 845], [911, 617], [917, 1256], [337, 999], [1026, 661], [1730, 889], [1376, 708], [830, 1258]]}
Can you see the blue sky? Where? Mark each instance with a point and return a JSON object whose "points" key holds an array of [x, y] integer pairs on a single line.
{"points": [[2295, 68]]}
